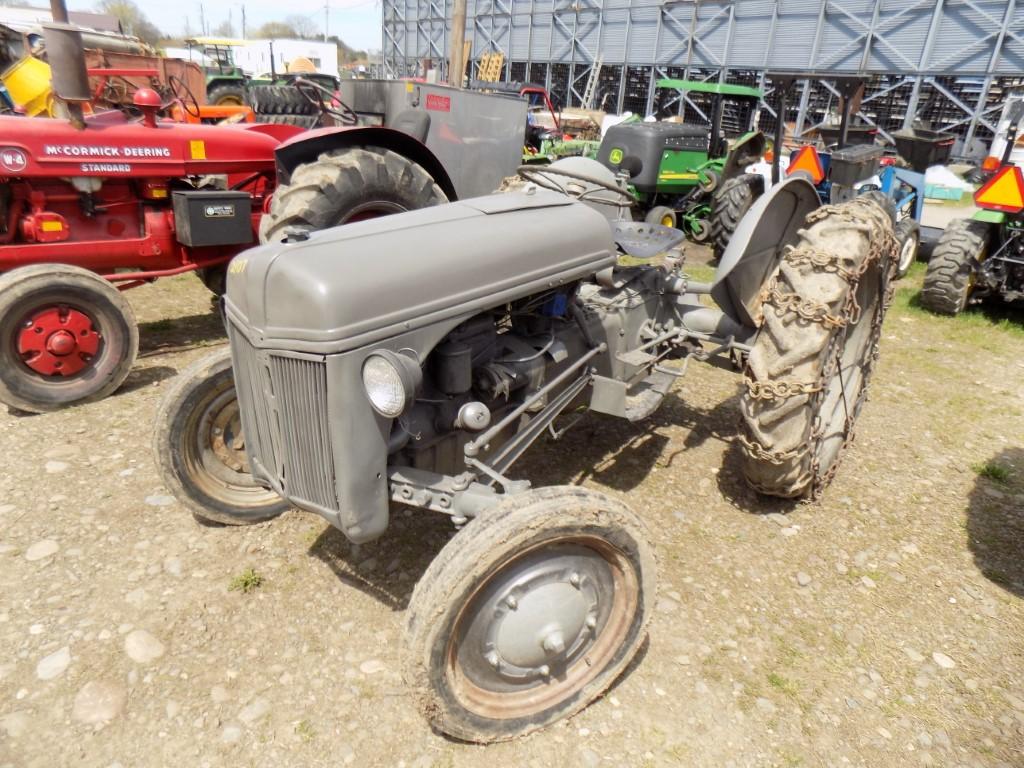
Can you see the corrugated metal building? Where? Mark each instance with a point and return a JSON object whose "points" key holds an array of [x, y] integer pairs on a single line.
{"points": [[945, 61]]}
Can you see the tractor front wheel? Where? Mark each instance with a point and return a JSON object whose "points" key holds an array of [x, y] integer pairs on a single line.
{"points": [[728, 205], [200, 449], [529, 613], [345, 186], [67, 336], [950, 276], [663, 215], [808, 371], [908, 237]]}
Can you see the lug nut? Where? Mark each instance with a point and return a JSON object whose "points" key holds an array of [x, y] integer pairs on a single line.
{"points": [[575, 580], [591, 622], [544, 670], [492, 659], [554, 643], [511, 602]]}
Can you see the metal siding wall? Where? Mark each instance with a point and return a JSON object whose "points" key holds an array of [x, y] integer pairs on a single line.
{"points": [[962, 46]]}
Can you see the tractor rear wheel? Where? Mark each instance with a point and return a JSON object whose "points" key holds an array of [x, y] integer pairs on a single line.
{"points": [[200, 448], [348, 185], [67, 336], [529, 613], [226, 95], [950, 276], [807, 374], [728, 205]]}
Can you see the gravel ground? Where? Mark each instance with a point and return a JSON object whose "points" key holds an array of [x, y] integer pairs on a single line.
{"points": [[881, 626]]}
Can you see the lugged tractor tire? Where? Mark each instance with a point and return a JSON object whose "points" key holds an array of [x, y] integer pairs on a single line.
{"points": [[348, 185], [947, 283], [300, 121], [807, 374], [280, 100], [728, 205]]}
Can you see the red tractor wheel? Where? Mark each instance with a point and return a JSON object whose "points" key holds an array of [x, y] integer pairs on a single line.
{"points": [[66, 336]]}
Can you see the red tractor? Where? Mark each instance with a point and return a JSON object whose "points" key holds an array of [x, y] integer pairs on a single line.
{"points": [[87, 213]]}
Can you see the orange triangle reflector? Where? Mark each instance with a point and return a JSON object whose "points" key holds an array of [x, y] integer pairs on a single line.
{"points": [[1003, 192], [807, 160]]}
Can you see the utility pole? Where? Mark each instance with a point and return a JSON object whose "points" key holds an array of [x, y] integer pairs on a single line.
{"points": [[202, 19], [243, 21], [456, 66], [327, 8]]}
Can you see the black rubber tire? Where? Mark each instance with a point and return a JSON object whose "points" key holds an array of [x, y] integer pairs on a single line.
{"points": [[212, 490], [300, 121], [947, 283], [908, 239], [798, 413], [489, 542], [659, 213], [24, 291], [345, 184], [728, 205], [280, 100], [214, 278], [226, 94]]}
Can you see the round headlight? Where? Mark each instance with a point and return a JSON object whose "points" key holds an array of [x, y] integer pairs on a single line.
{"points": [[390, 382]]}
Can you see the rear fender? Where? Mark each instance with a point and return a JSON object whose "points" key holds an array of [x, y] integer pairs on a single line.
{"points": [[989, 217], [748, 149], [309, 145], [756, 248]]}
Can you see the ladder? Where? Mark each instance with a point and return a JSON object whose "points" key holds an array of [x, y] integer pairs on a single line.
{"points": [[592, 81]]}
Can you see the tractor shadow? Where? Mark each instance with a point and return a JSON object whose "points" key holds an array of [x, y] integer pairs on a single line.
{"points": [[144, 377], [995, 520], [160, 337], [386, 569]]}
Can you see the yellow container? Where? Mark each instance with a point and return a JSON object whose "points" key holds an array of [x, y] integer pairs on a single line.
{"points": [[28, 84]]}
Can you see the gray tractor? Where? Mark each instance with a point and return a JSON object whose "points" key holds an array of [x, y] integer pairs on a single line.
{"points": [[418, 377]]}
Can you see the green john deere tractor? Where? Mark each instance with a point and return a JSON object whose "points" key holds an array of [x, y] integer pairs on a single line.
{"points": [[675, 167], [225, 80]]}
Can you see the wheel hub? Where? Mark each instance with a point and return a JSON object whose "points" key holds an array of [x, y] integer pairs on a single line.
{"points": [[58, 341], [538, 621]]}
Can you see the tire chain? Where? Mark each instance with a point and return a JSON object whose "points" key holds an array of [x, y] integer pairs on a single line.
{"points": [[882, 245]]}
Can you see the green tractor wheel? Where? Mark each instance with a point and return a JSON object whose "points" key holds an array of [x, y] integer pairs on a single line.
{"points": [[950, 276]]}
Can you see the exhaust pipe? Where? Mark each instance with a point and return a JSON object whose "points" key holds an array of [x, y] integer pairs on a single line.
{"points": [[66, 56]]}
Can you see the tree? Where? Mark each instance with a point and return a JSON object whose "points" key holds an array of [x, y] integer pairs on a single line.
{"points": [[304, 26], [133, 20], [224, 29], [274, 29]]}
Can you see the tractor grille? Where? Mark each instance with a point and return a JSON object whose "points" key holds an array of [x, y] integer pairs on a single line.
{"points": [[283, 403]]}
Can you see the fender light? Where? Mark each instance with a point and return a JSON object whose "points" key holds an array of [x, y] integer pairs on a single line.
{"points": [[990, 163], [807, 161], [1003, 192], [390, 381]]}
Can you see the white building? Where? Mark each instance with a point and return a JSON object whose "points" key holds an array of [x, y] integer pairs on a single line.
{"points": [[254, 56]]}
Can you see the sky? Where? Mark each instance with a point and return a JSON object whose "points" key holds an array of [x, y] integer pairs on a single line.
{"points": [[357, 22]]}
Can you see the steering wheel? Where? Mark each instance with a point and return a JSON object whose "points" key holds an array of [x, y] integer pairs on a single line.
{"points": [[537, 175], [314, 93], [179, 92]]}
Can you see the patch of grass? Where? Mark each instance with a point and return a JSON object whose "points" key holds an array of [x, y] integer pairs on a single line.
{"points": [[997, 473], [781, 684], [246, 582], [305, 731]]}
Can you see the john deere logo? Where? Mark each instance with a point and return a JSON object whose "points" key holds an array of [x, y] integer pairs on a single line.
{"points": [[615, 156]]}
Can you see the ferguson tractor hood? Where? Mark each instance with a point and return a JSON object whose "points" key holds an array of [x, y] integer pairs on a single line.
{"points": [[342, 288]]}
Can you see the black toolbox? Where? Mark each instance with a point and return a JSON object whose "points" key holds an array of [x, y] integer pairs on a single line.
{"points": [[212, 217], [853, 164]]}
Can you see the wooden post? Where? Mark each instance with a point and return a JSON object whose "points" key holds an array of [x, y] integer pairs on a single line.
{"points": [[456, 54]]}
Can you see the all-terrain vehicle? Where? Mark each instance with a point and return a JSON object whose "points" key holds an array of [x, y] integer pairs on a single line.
{"points": [[983, 256], [410, 361], [676, 167]]}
